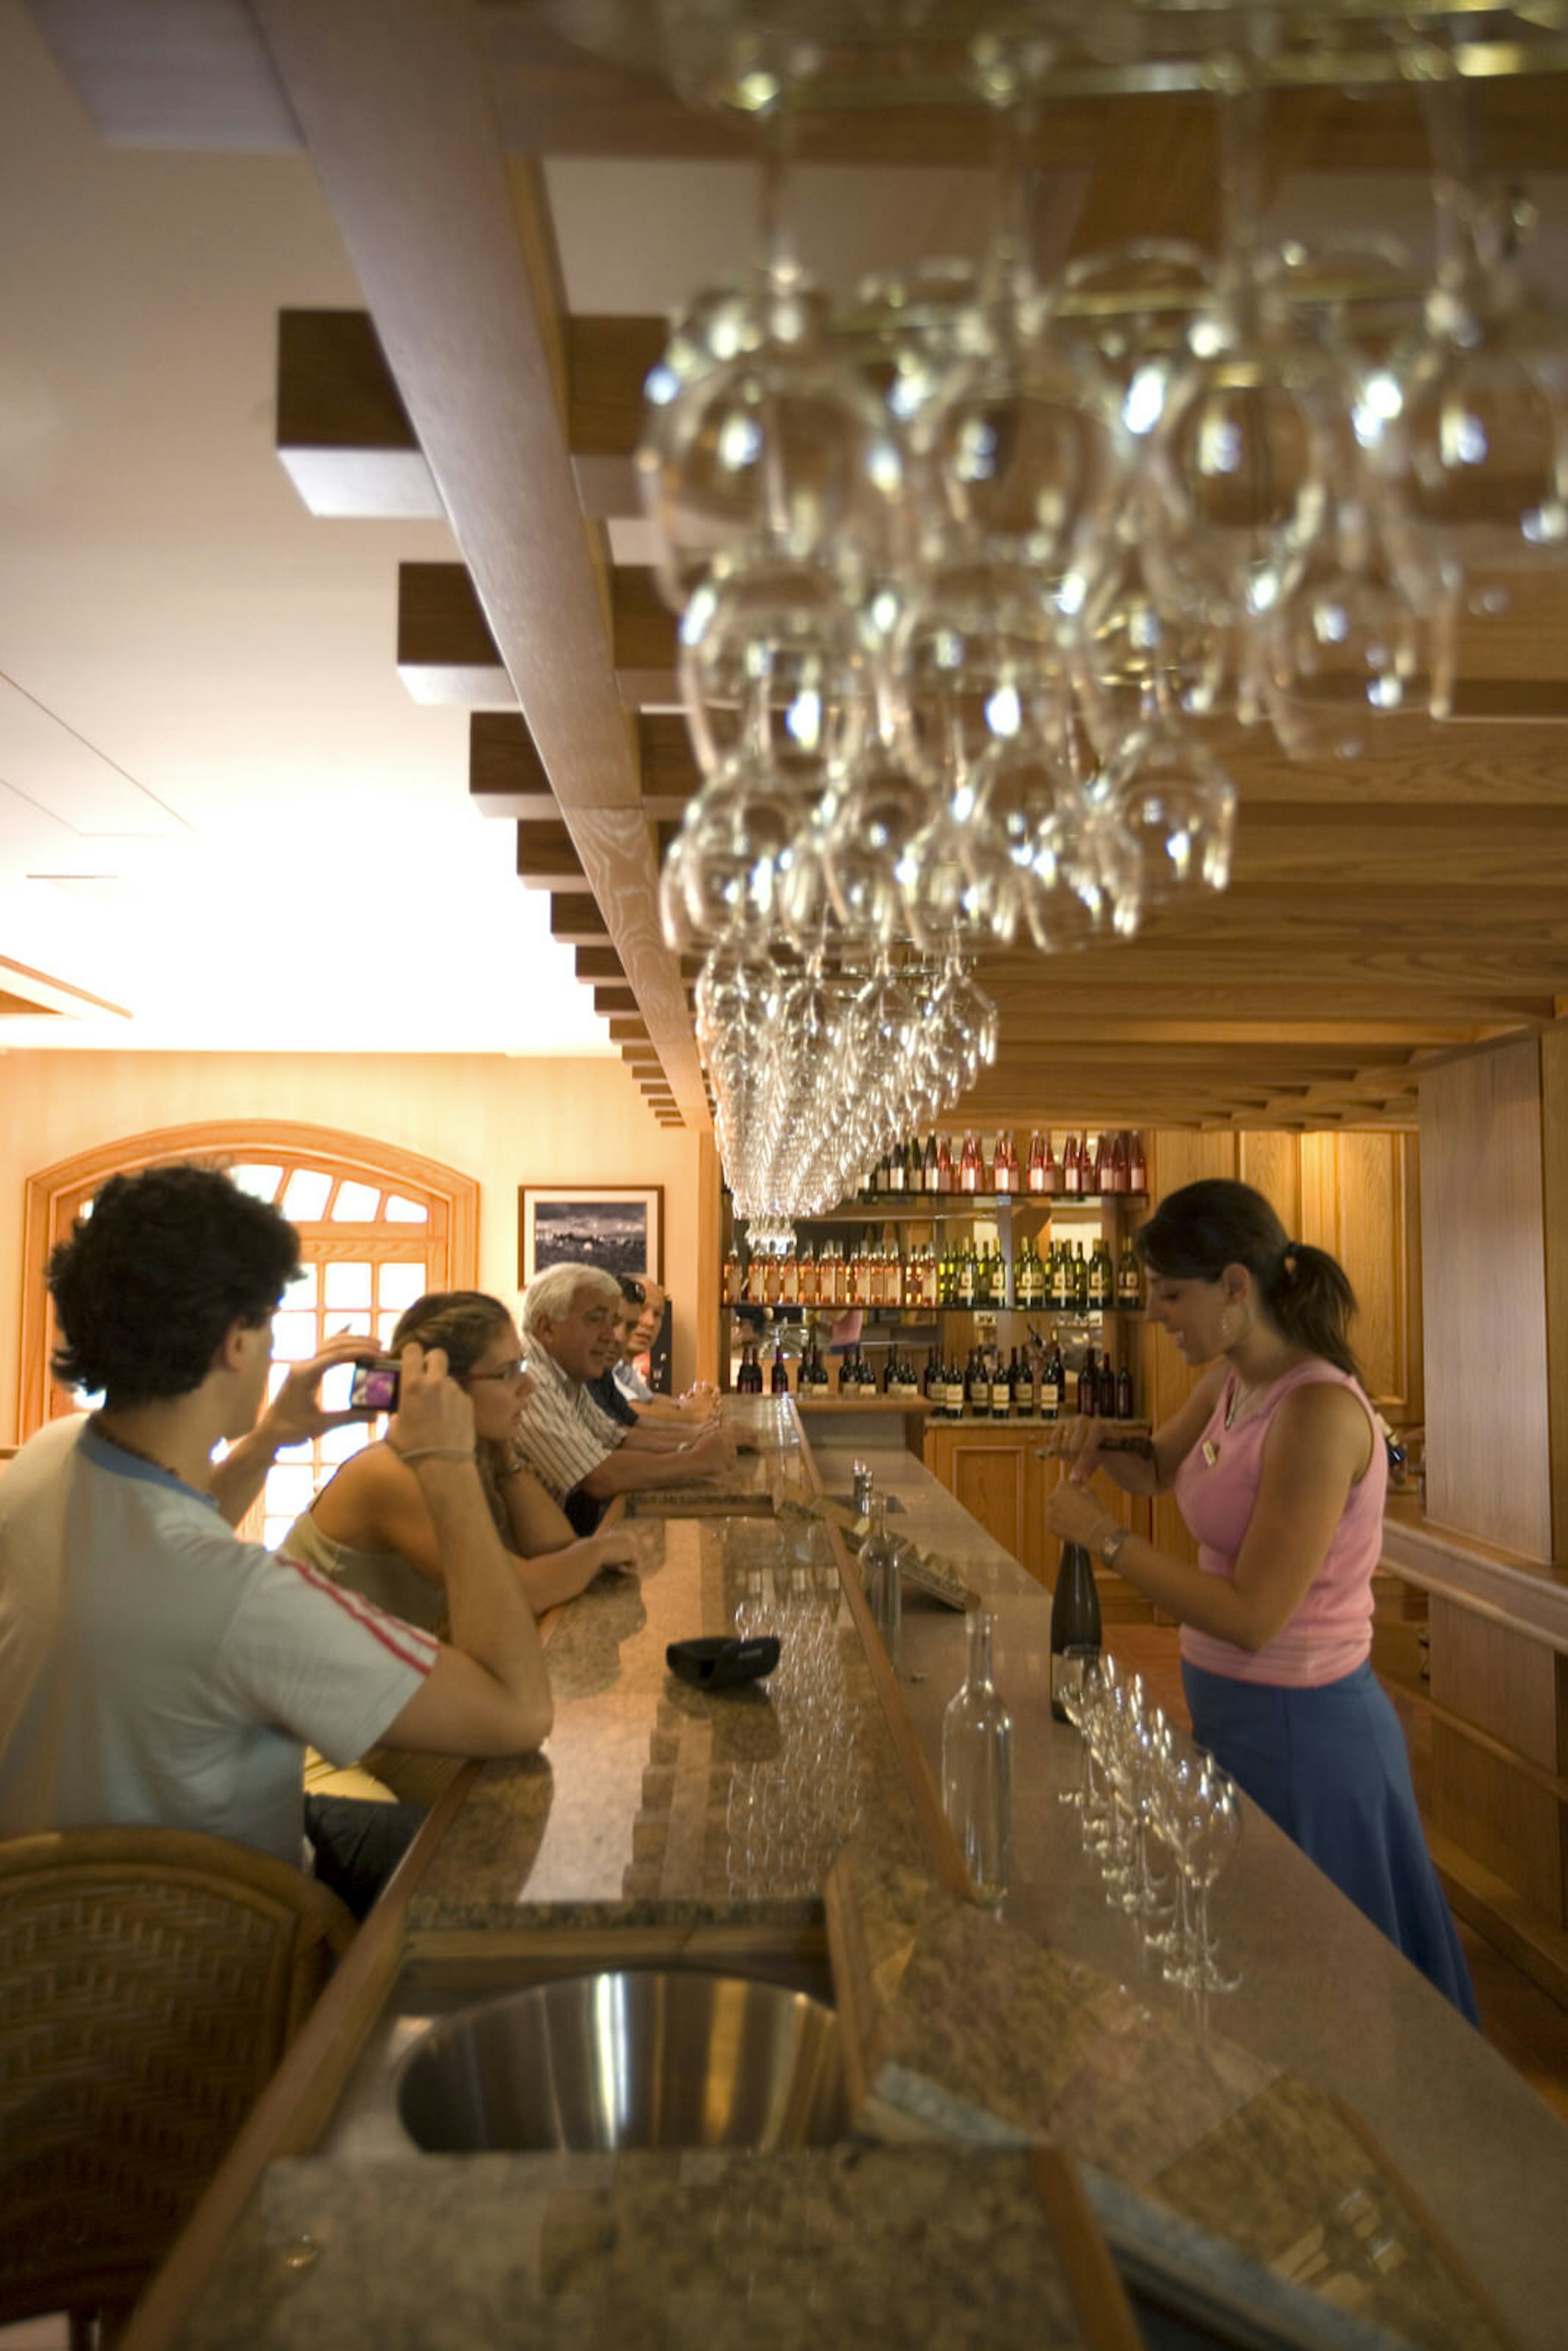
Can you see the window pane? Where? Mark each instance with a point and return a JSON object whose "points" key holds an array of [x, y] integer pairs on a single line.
{"points": [[399, 1211], [341, 1444], [356, 1204], [346, 1285], [288, 1491], [385, 1326], [274, 1530], [279, 1371], [355, 1325], [303, 1290], [399, 1285], [293, 1337], [306, 1199], [261, 1182]]}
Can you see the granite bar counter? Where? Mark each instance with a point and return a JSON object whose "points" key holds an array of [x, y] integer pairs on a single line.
{"points": [[661, 1806], [1323, 1992], [662, 1814]]}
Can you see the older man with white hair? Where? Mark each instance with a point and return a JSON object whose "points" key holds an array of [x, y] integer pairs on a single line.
{"points": [[578, 1451]]}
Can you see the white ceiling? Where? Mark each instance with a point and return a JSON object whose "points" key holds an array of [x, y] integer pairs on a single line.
{"points": [[219, 807]]}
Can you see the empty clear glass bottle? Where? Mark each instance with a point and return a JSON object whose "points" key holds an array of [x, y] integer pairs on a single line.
{"points": [[978, 1770], [881, 1580]]}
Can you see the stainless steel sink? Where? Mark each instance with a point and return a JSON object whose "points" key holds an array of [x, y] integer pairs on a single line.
{"points": [[636, 2059]]}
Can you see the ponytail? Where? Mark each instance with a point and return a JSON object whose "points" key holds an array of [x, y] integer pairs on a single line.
{"points": [[1197, 1231], [1309, 1295]]}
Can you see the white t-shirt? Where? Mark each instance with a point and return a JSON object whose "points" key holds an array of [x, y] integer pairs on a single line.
{"points": [[156, 1671]]}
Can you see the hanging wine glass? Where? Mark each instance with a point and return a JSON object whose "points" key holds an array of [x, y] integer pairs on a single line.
{"points": [[721, 872], [1473, 446], [772, 661], [868, 830], [782, 447], [1022, 449], [1235, 478], [1349, 652], [1178, 805]]}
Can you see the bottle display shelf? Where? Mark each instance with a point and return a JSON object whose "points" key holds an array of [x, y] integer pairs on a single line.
{"points": [[892, 1318], [891, 1208]]}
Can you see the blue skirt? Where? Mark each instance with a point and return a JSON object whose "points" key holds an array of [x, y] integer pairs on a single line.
{"points": [[1329, 1767]]}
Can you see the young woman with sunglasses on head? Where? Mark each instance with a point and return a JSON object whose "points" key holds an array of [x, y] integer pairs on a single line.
{"points": [[368, 1527]]}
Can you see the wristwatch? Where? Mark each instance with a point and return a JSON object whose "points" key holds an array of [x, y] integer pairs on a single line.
{"points": [[1109, 1545]]}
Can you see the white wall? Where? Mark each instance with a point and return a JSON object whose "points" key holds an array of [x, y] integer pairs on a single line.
{"points": [[506, 1122]]}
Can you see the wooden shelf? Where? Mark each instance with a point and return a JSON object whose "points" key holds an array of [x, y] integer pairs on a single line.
{"points": [[893, 1207]]}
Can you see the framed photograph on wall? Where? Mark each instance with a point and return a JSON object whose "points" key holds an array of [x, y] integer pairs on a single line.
{"points": [[618, 1226]]}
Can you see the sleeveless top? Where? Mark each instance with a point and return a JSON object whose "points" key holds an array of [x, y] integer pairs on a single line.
{"points": [[1331, 1633], [383, 1576]]}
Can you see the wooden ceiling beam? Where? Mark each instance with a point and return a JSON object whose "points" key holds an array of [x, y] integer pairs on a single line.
{"points": [[546, 855], [598, 963], [396, 103], [552, 96], [342, 431], [576, 919], [613, 999], [505, 774], [445, 651]]}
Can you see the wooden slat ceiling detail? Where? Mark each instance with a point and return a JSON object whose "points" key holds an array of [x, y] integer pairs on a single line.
{"points": [[395, 102], [1383, 912]]}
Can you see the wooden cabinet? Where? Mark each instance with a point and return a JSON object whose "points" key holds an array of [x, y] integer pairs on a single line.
{"points": [[999, 1471]]}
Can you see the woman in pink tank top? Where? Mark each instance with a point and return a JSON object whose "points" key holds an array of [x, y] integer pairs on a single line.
{"points": [[1277, 1466]]}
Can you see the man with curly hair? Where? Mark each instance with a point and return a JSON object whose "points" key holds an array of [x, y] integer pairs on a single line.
{"points": [[156, 1670]]}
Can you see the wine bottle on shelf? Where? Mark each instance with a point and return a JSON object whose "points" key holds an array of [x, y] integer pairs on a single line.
{"points": [[1119, 1163], [946, 1174], [1123, 1394], [893, 1374], [1002, 1388], [895, 1170], [1137, 1172], [789, 1278], [969, 1166], [1101, 1279], [1129, 1281], [978, 1770], [1071, 1166], [1089, 1387], [1105, 1394], [1080, 1281], [1052, 1383], [1074, 1618], [1034, 1167], [955, 1389], [977, 1387], [1094, 1180], [778, 1379], [928, 1171], [1053, 1167], [933, 1384], [731, 1292], [868, 1378]]}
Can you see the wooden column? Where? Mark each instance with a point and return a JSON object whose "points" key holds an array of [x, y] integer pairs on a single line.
{"points": [[1485, 1221]]}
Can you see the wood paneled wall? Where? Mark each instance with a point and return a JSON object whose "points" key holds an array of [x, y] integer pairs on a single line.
{"points": [[1485, 1221]]}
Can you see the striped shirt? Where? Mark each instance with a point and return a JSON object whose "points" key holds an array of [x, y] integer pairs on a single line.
{"points": [[562, 1434]]}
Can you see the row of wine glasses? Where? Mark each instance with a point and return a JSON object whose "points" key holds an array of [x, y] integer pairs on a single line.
{"points": [[1142, 1780], [980, 573], [818, 1070]]}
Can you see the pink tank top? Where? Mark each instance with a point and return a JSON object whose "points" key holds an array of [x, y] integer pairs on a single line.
{"points": [[1331, 1632]]}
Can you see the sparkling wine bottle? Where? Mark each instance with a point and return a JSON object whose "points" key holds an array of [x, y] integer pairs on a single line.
{"points": [[1074, 1617], [978, 1770]]}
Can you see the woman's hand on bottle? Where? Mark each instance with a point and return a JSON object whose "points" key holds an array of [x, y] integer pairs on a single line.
{"points": [[1076, 1444], [1076, 1515]]}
